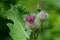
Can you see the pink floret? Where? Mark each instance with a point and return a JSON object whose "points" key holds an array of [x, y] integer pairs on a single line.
{"points": [[30, 19]]}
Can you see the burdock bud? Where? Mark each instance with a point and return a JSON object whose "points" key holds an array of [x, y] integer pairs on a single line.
{"points": [[43, 15], [30, 22]]}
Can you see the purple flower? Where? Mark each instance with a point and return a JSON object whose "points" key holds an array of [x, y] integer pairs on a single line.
{"points": [[30, 22]]}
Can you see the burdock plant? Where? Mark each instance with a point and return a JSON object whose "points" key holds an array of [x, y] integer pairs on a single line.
{"points": [[34, 23]]}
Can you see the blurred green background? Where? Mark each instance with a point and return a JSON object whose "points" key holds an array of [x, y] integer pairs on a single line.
{"points": [[51, 6]]}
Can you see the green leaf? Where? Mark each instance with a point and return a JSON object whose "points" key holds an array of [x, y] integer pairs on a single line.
{"points": [[17, 30]]}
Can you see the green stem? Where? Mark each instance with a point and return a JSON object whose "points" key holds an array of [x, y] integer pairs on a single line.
{"points": [[37, 34], [34, 35], [38, 31]]}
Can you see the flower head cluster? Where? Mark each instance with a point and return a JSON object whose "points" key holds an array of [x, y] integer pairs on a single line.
{"points": [[33, 21]]}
